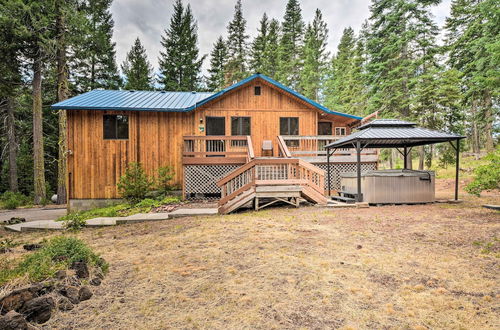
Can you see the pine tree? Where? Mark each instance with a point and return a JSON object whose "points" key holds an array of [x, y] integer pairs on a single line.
{"points": [[218, 59], [259, 46], [291, 44], [179, 63], [472, 40], [137, 69], [93, 63], [392, 46], [270, 60], [236, 68], [314, 57], [338, 93]]}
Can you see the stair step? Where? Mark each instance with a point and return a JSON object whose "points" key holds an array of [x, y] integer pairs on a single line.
{"points": [[347, 200]]}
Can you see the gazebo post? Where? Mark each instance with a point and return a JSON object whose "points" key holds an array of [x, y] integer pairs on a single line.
{"points": [[405, 154], [358, 161], [457, 168]]}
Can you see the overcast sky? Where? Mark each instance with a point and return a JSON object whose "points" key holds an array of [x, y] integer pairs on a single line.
{"points": [[147, 19]]}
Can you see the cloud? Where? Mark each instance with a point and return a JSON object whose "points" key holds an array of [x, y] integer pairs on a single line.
{"points": [[147, 19]]}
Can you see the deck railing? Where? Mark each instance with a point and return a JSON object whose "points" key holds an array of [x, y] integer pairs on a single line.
{"points": [[271, 171], [209, 149], [313, 146]]}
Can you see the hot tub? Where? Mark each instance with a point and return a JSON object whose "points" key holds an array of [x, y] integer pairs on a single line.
{"points": [[392, 186]]}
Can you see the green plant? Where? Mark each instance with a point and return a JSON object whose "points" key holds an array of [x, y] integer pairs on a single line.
{"points": [[134, 184], [74, 221], [165, 176], [486, 176], [58, 253], [11, 200]]}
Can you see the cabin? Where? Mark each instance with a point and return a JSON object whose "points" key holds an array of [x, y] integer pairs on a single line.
{"points": [[254, 134]]}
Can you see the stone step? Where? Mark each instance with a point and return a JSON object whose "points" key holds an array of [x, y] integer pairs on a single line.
{"points": [[35, 225], [192, 212]]}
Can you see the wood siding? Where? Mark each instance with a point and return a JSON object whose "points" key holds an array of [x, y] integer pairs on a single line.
{"points": [[155, 138], [96, 164]]}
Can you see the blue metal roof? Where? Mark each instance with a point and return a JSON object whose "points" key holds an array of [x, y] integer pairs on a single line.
{"points": [[132, 100], [168, 101]]}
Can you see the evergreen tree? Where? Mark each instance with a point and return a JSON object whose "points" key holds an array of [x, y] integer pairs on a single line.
{"points": [[314, 57], [472, 41], [259, 46], [93, 63], [236, 68], [291, 44], [270, 59], [393, 50], [137, 69], [339, 96], [218, 59], [179, 63]]}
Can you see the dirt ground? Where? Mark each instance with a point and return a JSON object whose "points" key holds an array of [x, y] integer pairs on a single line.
{"points": [[392, 267]]}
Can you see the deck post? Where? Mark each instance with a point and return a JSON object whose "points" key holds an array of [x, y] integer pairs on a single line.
{"points": [[328, 171], [457, 168], [358, 163]]}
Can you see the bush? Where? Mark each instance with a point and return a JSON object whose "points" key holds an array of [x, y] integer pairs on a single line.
{"points": [[135, 184], [11, 200], [74, 221], [59, 253], [165, 176], [486, 176]]}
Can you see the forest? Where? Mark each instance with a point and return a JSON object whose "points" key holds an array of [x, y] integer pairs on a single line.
{"points": [[400, 63]]}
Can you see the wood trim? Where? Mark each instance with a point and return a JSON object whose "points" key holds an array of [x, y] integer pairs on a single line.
{"points": [[216, 137], [213, 160], [251, 154]]}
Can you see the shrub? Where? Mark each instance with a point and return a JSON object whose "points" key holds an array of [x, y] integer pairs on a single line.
{"points": [[74, 221], [165, 176], [11, 200], [135, 184], [59, 253], [486, 176]]}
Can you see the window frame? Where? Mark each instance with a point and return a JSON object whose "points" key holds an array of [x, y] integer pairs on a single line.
{"points": [[240, 125], [115, 128], [341, 128], [289, 126], [325, 122], [257, 88]]}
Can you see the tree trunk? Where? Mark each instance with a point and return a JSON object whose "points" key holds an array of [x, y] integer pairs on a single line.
{"points": [[62, 94], [38, 165], [421, 158], [474, 130], [11, 138], [488, 126]]}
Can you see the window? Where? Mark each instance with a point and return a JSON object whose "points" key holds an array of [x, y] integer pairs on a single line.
{"points": [[256, 90], [339, 130], [290, 126], [115, 127], [240, 125], [325, 128]]}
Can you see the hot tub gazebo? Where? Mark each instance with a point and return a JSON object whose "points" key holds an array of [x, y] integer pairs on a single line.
{"points": [[392, 133]]}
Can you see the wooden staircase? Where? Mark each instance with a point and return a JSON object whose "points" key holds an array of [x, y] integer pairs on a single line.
{"points": [[266, 181]]}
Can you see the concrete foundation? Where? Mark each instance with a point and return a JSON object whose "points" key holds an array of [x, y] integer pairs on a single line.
{"points": [[88, 204]]}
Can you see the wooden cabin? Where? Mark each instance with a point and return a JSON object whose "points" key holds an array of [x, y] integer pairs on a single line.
{"points": [[204, 136]]}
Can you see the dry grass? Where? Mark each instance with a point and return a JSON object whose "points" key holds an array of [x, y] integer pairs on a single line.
{"points": [[410, 267]]}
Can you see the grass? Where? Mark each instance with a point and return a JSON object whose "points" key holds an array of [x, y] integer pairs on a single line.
{"points": [[122, 210], [400, 267], [58, 253]]}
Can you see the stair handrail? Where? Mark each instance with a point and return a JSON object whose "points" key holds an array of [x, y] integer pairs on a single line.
{"points": [[250, 151], [283, 147]]}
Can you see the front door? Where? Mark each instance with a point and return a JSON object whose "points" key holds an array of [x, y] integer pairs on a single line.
{"points": [[216, 126]]}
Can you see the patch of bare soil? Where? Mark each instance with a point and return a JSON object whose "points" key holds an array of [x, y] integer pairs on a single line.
{"points": [[411, 267]]}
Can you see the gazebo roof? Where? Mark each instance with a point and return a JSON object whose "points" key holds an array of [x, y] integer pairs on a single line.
{"points": [[392, 133]]}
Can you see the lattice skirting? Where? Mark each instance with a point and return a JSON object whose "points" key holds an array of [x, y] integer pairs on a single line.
{"points": [[200, 180], [337, 169]]}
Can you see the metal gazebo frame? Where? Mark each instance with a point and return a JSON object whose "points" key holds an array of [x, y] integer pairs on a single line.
{"points": [[391, 133]]}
